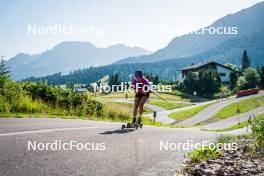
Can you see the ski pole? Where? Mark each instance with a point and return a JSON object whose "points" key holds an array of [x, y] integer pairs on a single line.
{"points": [[159, 96]]}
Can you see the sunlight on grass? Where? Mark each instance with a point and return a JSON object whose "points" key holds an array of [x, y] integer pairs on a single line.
{"points": [[234, 127], [187, 113], [243, 105], [172, 96], [123, 107], [168, 105]]}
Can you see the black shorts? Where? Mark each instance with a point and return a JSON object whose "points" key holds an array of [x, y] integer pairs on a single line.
{"points": [[140, 95]]}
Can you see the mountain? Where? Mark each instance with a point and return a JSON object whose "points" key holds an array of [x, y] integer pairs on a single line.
{"points": [[182, 51], [247, 21], [229, 51], [68, 56]]}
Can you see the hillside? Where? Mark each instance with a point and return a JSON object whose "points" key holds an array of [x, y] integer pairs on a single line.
{"points": [[247, 21], [187, 49], [229, 51], [68, 56]]}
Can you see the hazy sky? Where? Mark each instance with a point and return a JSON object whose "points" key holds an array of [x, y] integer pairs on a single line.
{"points": [[142, 23]]}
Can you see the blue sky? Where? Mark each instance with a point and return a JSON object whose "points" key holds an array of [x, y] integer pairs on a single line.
{"points": [[131, 22]]}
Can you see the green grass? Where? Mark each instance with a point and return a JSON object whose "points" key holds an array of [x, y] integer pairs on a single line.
{"points": [[244, 106], [225, 139], [183, 96], [145, 120], [123, 107], [116, 95], [168, 105], [187, 113], [38, 115], [172, 96], [234, 127], [203, 154]]}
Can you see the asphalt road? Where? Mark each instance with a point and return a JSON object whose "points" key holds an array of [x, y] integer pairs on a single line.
{"points": [[212, 110], [234, 120], [135, 152]]}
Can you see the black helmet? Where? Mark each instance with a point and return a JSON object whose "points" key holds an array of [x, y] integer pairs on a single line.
{"points": [[138, 73]]}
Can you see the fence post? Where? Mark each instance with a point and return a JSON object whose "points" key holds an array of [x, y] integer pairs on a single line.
{"points": [[154, 116]]}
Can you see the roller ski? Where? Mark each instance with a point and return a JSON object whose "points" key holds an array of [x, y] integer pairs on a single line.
{"points": [[135, 124]]}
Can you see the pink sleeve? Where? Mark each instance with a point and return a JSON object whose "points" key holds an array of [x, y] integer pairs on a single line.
{"points": [[133, 83], [146, 82]]}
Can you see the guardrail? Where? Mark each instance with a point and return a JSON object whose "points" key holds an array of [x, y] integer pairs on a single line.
{"points": [[247, 92]]}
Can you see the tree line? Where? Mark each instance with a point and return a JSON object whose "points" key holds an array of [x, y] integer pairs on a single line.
{"points": [[207, 82]]}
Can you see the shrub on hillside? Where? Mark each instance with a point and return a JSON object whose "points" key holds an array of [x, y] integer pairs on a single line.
{"points": [[250, 79], [94, 107], [258, 130]]}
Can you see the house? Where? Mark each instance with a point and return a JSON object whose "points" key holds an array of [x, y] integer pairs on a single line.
{"points": [[223, 71]]}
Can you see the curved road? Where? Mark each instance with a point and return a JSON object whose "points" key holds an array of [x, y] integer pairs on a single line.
{"points": [[234, 120], [212, 110], [130, 153], [162, 114]]}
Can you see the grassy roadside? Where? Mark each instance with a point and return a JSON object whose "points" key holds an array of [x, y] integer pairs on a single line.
{"points": [[124, 107], [234, 127], [184, 96], [182, 115], [243, 105], [173, 96], [145, 120], [167, 105]]}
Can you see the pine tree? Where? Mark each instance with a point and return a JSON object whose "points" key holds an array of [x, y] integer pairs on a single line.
{"points": [[233, 79], [4, 73], [3, 69], [261, 74], [245, 60]]}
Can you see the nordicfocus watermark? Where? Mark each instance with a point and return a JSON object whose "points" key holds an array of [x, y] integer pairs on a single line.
{"points": [[212, 30], [128, 87], [59, 29], [65, 146], [189, 145]]}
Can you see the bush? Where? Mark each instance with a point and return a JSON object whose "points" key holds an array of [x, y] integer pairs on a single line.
{"points": [[45, 99], [115, 116], [233, 79], [191, 82], [42, 98], [94, 107], [258, 129], [202, 154], [250, 79]]}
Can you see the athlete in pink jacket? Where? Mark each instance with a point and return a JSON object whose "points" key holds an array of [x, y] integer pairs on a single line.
{"points": [[142, 88]]}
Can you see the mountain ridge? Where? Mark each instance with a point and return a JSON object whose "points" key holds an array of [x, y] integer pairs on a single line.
{"points": [[68, 56], [229, 51], [246, 20]]}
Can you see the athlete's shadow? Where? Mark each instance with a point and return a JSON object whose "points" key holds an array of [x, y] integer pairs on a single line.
{"points": [[118, 131]]}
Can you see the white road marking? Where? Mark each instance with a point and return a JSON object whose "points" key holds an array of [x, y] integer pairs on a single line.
{"points": [[51, 130]]}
